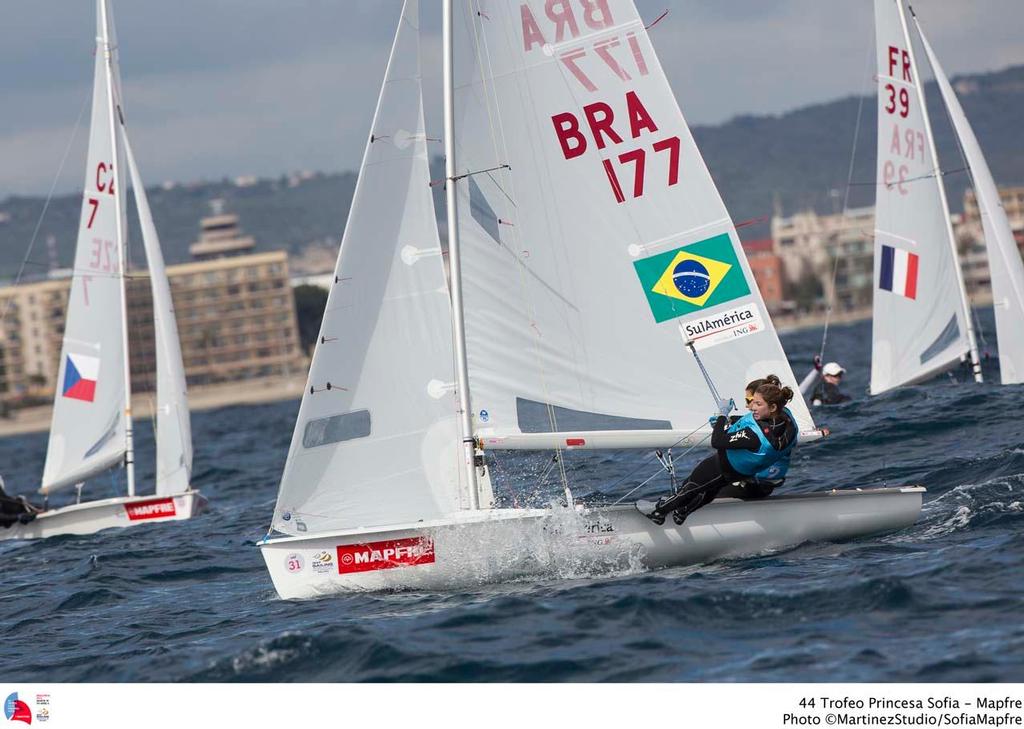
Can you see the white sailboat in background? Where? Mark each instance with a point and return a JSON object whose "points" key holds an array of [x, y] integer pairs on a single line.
{"points": [[592, 237], [922, 323], [91, 431], [1005, 265]]}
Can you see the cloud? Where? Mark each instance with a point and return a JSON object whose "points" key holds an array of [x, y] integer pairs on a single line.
{"points": [[227, 87]]}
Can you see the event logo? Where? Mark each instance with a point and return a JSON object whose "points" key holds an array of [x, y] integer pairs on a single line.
{"points": [[725, 326], [81, 373], [155, 509], [17, 710], [691, 278], [323, 562], [385, 555]]}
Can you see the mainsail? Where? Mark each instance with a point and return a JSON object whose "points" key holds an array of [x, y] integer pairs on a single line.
{"points": [[87, 434], [1005, 266], [921, 325], [376, 436], [593, 237], [173, 427]]}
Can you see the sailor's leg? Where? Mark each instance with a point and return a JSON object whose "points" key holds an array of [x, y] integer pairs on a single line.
{"points": [[705, 471]]}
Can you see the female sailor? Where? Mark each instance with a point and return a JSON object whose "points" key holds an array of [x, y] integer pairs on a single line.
{"points": [[753, 451]]}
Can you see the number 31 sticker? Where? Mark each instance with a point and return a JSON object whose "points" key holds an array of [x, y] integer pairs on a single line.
{"points": [[294, 562]]}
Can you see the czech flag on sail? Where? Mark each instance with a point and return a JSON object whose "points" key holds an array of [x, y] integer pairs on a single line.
{"points": [[80, 375], [899, 272]]}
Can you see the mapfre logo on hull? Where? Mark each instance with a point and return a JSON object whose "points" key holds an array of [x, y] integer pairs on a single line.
{"points": [[385, 555], [155, 509]]}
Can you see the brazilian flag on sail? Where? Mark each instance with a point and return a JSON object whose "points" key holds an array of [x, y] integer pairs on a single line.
{"points": [[691, 278]]}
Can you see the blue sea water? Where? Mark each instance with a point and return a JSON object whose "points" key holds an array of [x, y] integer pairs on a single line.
{"points": [[939, 601]]}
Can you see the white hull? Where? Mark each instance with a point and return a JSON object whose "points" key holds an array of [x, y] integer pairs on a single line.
{"points": [[90, 517], [502, 544]]}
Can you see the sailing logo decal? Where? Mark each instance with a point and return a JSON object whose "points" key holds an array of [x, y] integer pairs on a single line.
{"points": [[17, 710], [691, 278], [323, 562], [80, 375], [385, 555], [723, 327], [155, 509], [898, 272]]}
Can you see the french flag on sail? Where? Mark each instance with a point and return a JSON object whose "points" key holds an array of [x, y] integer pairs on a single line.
{"points": [[899, 272], [80, 375]]}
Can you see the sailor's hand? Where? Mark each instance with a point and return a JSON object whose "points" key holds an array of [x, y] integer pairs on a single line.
{"points": [[817, 362], [726, 406]]}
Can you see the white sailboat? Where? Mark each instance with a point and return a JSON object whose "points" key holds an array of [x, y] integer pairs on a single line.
{"points": [[587, 242], [1005, 265], [922, 324], [91, 431]]}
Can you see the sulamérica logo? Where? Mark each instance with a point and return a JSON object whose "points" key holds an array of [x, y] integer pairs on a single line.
{"points": [[385, 555], [17, 710], [153, 509]]}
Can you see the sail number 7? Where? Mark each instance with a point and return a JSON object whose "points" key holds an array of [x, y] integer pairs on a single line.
{"points": [[600, 122]]}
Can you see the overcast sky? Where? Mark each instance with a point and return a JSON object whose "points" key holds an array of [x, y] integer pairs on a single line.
{"points": [[219, 88]]}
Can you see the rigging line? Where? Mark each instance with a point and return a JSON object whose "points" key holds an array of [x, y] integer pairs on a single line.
{"points": [[896, 183], [649, 478], [846, 200], [46, 205], [651, 455], [500, 143]]}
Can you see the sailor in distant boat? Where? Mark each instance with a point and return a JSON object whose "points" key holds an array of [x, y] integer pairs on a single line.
{"points": [[828, 392], [15, 509], [753, 453]]}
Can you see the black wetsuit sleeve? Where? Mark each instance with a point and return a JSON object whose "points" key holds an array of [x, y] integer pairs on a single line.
{"points": [[745, 439], [781, 436]]}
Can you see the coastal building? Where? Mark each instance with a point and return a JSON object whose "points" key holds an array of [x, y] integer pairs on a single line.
{"points": [[835, 250], [766, 267], [234, 309], [971, 238]]}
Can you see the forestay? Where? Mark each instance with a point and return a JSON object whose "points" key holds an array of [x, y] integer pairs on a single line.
{"points": [[376, 436], [1005, 266], [173, 426], [87, 434], [592, 232], [920, 324]]}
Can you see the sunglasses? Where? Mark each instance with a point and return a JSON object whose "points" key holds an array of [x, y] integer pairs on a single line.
{"points": [[748, 399]]}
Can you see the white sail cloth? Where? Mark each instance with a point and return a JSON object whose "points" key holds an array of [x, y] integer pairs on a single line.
{"points": [[376, 436], [87, 433], [1005, 266], [173, 425], [920, 325], [591, 228]]}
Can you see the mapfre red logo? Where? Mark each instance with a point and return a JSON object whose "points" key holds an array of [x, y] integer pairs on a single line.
{"points": [[155, 509], [385, 555]]}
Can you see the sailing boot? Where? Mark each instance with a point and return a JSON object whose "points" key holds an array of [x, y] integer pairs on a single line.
{"points": [[652, 511]]}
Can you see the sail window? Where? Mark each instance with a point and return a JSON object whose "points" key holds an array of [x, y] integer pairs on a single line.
{"points": [[950, 334], [539, 417], [336, 429]]}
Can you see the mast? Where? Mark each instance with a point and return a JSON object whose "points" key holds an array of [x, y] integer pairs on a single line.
{"points": [[115, 111], [968, 321], [455, 265]]}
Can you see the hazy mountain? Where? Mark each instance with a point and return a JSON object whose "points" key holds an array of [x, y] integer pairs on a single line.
{"points": [[791, 161]]}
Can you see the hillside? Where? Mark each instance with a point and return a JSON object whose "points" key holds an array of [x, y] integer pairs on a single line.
{"points": [[791, 160]]}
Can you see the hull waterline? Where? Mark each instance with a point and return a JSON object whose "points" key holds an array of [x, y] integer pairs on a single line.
{"points": [[475, 548]]}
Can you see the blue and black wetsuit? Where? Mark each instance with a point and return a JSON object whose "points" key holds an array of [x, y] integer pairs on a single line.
{"points": [[755, 452]]}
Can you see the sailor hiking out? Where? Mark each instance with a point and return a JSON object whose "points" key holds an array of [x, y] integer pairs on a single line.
{"points": [[752, 455]]}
